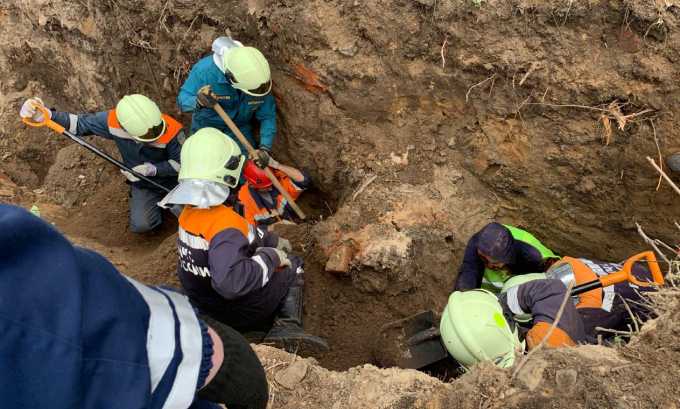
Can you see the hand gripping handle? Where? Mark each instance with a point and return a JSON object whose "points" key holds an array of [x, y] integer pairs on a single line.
{"points": [[45, 122]]}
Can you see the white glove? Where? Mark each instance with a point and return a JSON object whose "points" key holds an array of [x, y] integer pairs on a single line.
{"points": [[129, 176], [28, 110], [284, 245], [146, 169], [283, 258]]}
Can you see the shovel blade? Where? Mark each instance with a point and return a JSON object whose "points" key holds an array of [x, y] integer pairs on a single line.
{"points": [[412, 342]]}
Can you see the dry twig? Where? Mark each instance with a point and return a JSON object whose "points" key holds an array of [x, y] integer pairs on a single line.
{"points": [[363, 186], [532, 68], [565, 300], [443, 50], [614, 331], [633, 318], [664, 175], [467, 94], [658, 149], [651, 242]]}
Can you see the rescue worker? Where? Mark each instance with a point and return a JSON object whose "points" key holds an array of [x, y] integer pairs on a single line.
{"points": [[262, 203], [77, 333], [239, 275], [498, 251], [148, 142], [480, 326], [238, 78]]}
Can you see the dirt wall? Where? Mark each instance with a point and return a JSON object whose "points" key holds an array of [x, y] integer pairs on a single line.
{"points": [[419, 120]]}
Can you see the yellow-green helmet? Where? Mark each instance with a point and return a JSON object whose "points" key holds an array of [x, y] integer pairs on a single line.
{"points": [[212, 156], [520, 279], [474, 329], [248, 70], [138, 115]]}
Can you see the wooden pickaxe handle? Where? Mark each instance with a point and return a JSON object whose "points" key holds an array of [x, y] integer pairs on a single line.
{"points": [[251, 153]]}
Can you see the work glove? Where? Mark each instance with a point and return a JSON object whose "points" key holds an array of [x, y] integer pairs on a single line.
{"points": [[261, 158], [283, 258], [28, 110], [145, 169], [129, 176], [284, 245], [205, 97]]}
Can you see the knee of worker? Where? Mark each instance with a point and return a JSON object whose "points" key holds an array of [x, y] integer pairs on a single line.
{"points": [[144, 219], [241, 380]]}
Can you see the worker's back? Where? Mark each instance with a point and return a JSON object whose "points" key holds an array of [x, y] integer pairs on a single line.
{"points": [[63, 314]]}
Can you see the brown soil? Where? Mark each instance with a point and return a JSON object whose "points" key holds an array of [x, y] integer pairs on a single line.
{"points": [[453, 110]]}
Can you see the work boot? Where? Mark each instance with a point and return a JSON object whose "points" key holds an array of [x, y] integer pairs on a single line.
{"points": [[287, 332]]}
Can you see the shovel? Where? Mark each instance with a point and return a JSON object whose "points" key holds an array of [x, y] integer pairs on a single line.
{"points": [[625, 274], [61, 130], [414, 342], [251, 153]]}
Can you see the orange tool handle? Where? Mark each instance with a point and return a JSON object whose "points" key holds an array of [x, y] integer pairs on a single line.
{"points": [[45, 122], [626, 273]]}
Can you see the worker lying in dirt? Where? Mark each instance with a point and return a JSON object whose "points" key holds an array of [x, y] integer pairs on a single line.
{"points": [[238, 78], [262, 203], [77, 333], [480, 326], [498, 251], [239, 275], [148, 142]]}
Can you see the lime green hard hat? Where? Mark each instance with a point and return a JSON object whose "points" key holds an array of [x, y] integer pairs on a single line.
{"points": [[520, 279], [249, 70], [474, 329], [212, 156], [138, 114]]}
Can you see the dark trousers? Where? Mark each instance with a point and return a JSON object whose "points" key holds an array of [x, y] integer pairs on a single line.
{"points": [[145, 215], [241, 382]]}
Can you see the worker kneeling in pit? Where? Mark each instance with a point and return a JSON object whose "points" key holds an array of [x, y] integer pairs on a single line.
{"points": [[263, 204], [148, 142], [239, 275], [499, 251], [477, 325]]}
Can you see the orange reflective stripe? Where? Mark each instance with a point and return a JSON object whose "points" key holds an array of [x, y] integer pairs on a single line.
{"points": [[172, 128], [250, 209], [207, 223], [287, 184], [559, 338], [582, 275], [112, 120]]}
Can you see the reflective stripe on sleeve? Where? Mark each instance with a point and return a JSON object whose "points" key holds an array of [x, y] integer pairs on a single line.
{"points": [[263, 266], [160, 337], [174, 164], [184, 388], [73, 123], [513, 301]]}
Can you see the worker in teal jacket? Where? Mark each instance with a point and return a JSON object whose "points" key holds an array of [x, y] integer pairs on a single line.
{"points": [[239, 79]]}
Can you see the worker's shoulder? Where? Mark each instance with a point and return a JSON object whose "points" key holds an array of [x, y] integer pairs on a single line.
{"points": [[208, 223], [206, 66]]}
